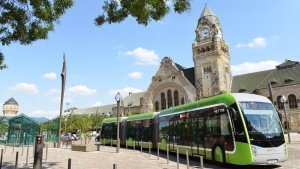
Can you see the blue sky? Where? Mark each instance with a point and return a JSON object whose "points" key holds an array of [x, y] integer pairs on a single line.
{"points": [[102, 61]]}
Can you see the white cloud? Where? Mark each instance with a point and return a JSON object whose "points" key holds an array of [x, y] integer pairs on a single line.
{"points": [[47, 114], [25, 88], [135, 75], [256, 42], [124, 92], [96, 104], [249, 67], [143, 56], [50, 75], [53, 91], [82, 90]]}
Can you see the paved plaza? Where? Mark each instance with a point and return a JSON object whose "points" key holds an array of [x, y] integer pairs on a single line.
{"points": [[57, 158]]}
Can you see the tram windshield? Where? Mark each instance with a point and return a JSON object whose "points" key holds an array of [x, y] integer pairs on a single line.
{"points": [[261, 118]]}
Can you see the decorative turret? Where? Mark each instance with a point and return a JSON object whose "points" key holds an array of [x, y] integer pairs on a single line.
{"points": [[10, 107]]}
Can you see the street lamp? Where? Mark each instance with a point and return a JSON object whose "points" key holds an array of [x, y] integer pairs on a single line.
{"points": [[283, 100], [118, 99]]}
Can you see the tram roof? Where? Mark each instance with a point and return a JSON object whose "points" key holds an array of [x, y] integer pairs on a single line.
{"points": [[141, 116], [113, 119], [227, 98]]}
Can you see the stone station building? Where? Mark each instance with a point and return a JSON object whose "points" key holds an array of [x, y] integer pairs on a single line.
{"points": [[174, 84]]}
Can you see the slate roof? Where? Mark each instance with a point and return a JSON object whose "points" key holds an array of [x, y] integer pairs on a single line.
{"points": [[93, 110], [286, 73], [133, 99], [208, 14], [11, 101]]}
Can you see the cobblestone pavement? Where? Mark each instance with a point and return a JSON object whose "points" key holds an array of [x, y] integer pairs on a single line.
{"points": [[57, 158]]}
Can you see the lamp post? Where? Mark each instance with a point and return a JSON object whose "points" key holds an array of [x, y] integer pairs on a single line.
{"points": [[283, 100], [118, 99]]}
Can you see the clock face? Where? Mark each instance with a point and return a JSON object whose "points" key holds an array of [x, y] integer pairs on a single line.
{"points": [[204, 33]]}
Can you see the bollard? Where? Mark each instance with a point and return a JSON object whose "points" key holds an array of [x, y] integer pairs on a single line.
{"points": [[27, 155], [126, 144], [33, 148], [17, 157], [1, 158], [22, 148], [134, 146], [115, 166], [111, 142], [201, 162], [187, 159], [141, 146], [69, 163], [177, 152], [149, 149], [157, 150], [46, 152], [5, 146], [167, 154], [38, 152], [13, 148]]}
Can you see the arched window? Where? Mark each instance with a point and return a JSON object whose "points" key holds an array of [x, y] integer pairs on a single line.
{"points": [[280, 105], [292, 101], [163, 100], [207, 48], [156, 106], [176, 99], [170, 102], [182, 100]]}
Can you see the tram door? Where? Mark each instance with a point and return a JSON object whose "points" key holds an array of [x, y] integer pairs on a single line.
{"points": [[198, 145], [173, 133]]}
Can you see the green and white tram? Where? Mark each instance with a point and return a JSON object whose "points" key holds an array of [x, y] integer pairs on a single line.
{"points": [[234, 128]]}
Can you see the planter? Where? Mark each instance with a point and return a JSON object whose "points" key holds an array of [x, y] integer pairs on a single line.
{"points": [[84, 147]]}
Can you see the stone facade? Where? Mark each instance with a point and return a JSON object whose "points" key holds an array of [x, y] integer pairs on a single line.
{"points": [[292, 107], [169, 88]]}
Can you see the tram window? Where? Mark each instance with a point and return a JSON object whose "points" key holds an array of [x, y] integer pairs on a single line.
{"points": [[225, 125], [211, 125]]}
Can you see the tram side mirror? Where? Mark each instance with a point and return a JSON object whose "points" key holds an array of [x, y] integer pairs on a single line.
{"points": [[232, 112]]}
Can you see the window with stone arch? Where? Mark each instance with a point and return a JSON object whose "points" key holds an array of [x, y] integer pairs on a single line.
{"points": [[280, 105], [163, 100], [156, 106], [176, 99], [292, 101], [170, 102], [182, 100]]}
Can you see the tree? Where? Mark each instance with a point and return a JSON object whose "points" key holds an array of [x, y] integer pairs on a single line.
{"points": [[96, 121], [26, 21], [142, 10], [83, 122]]}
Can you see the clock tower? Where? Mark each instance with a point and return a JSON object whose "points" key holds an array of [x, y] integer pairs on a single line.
{"points": [[211, 57]]}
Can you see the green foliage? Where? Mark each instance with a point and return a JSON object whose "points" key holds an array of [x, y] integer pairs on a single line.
{"points": [[2, 65], [26, 21], [96, 121], [132, 113], [142, 10]]}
